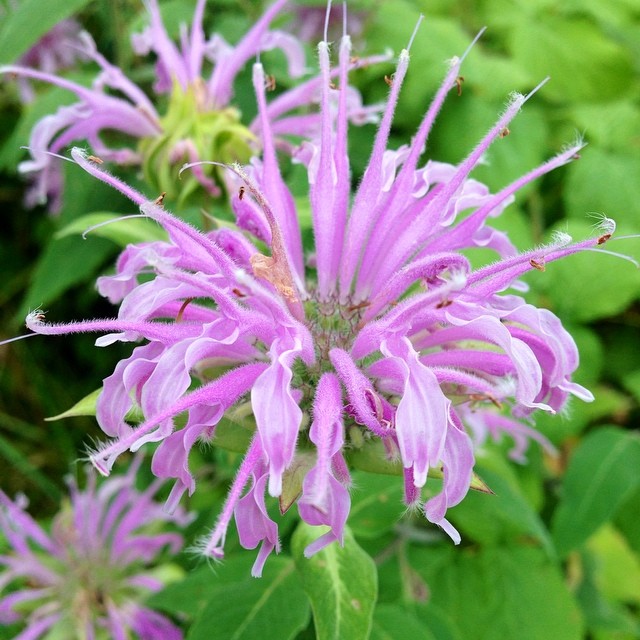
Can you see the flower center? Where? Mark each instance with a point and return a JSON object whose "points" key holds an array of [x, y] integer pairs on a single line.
{"points": [[191, 133], [91, 576], [332, 325]]}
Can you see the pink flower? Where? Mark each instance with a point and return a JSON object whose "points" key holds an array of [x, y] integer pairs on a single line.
{"points": [[91, 572], [201, 121], [384, 331]]}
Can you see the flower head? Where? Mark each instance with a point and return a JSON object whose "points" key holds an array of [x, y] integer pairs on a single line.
{"points": [[200, 121], [88, 576], [383, 334]]}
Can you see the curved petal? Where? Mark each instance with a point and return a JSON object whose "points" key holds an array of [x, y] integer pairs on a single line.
{"points": [[278, 416], [422, 417]]}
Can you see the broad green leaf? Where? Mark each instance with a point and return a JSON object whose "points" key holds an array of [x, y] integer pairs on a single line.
{"points": [[11, 631], [506, 74], [63, 264], [273, 607], [614, 12], [441, 625], [371, 456], [494, 593], [605, 618], [602, 69], [588, 286], [29, 21], [193, 593], [234, 431], [611, 126], [628, 522], [622, 359], [341, 583], [377, 501], [293, 478], [608, 402], [632, 383], [397, 583], [592, 354], [602, 181], [507, 158], [122, 232], [503, 14], [391, 622], [376, 504], [506, 515], [602, 474], [618, 567], [84, 407]]}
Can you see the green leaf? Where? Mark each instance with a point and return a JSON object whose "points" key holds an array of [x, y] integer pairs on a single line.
{"points": [[273, 607], [606, 619], [622, 360], [507, 158], [613, 125], [601, 71], [84, 407], [615, 12], [122, 232], [46, 102], [592, 354], [602, 474], [499, 517], [376, 504], [341, 583], [15, 458], [618, 567], [392, 621], [601, 181], [29, 21], [63, 264], [11, 631], [632, 383], [441, 625], [293, 478], [586, 286], [608, 402], [628, 522], [192, 594], [494, 593], [235, 430], [370, 455]]}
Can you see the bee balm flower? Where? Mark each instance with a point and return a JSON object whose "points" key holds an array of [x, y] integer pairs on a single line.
{"points": [[200, 121], [385, 334], [88, 577]]}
